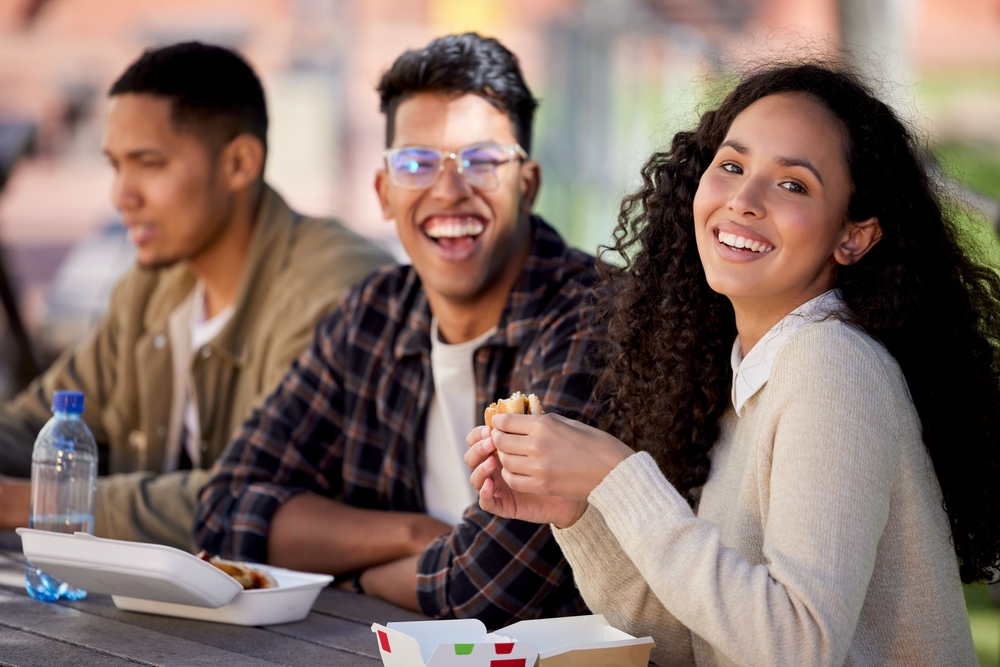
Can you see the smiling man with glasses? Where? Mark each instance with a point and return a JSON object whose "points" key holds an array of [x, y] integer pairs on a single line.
{"points": [[354, 465]]}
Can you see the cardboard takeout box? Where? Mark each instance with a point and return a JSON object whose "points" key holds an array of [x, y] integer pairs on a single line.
{"points": [[577, 641]]}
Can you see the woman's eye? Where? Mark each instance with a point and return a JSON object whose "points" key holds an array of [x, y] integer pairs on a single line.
{"points": [[792, 186], [731, 168]]}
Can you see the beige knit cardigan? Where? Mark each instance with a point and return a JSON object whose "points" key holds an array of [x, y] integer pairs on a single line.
{"points": [[819, 538]]}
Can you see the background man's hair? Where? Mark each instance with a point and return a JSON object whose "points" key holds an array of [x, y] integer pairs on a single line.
{"points": [[212, 90], [460, 64]]}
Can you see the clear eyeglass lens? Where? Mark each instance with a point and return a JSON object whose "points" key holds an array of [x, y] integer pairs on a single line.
{"points": [[415, 167], [485, 166]]}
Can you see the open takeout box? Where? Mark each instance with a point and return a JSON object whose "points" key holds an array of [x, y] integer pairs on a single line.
{"points": [[576, 641], [157, 579]]}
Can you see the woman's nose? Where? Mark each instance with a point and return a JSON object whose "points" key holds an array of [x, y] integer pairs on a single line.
{"points": [[748, 199]]}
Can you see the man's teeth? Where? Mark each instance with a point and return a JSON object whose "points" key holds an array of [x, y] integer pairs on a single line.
{"points": [[453, 230], [735, 241]]}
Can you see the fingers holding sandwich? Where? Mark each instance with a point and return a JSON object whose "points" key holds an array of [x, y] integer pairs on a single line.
{"points": [[517, 404]]}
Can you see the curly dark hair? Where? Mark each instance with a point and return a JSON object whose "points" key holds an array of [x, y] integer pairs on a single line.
{"points": [[934, 307]]}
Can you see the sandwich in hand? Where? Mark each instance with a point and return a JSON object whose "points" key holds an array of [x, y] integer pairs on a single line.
{"points": [[517, 404]]}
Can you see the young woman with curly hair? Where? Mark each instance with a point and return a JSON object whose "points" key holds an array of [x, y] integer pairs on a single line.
{"points": [[815, 493]]}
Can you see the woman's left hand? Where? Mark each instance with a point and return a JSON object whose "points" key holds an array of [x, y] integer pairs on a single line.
{"points": [[550, 455], [497, 498]]}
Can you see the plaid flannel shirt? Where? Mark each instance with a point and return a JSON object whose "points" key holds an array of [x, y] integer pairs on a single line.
{"points": [[348, 422]]}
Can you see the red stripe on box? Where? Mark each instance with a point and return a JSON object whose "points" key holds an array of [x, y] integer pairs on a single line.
{"points": [[383, 639], [504, 649], [517, 662]]}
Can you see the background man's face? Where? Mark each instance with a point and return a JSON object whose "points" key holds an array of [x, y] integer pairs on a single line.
{"points": [[165, 183], [459, 269]]}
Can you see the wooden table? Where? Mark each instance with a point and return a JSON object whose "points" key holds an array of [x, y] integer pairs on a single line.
{"points": [[94, 633]]}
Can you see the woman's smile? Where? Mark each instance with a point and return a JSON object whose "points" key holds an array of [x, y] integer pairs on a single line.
{"points": [[771, 209], [737, 241]]}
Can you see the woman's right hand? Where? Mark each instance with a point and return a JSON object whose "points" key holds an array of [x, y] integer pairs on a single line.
{"points": [[496, 496]]}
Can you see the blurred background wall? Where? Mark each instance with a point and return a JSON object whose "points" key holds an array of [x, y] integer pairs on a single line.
{"points": [[616, 79]]}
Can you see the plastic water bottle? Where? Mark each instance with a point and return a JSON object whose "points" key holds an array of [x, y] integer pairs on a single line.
{"points": [[63, 479]]}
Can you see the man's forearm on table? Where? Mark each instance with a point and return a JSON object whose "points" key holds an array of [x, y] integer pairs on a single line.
{"points": [[394, 582], [316, 534]]}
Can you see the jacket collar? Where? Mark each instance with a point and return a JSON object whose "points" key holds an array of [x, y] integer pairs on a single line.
{"points": [[546, 257], [269, 242]]}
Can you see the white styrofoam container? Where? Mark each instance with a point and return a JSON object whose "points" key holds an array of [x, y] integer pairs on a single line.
{"points": [[133, 569], [577, 641], [289, 602], [157, 579]]}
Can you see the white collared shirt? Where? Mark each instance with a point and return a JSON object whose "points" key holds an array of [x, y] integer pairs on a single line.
{"points": [[750, 373]]}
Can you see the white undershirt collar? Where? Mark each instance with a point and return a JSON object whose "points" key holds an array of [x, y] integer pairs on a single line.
{"points": [[750, 373]]}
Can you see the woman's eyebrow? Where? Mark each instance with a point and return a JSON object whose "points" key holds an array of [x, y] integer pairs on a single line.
{"points": [[799, 162], [736, 146], [742, 149]]}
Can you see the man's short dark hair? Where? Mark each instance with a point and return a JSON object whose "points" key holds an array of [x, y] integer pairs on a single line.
{"points": [[212, 90], [456, 65]]}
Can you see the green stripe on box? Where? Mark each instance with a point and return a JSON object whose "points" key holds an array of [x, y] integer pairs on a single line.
{"points": [[463, 649]]}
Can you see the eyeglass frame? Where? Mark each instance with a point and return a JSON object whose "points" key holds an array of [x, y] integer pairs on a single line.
{"points": [[515, 151]]}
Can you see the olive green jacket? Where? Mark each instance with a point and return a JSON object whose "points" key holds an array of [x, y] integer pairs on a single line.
{"points": [[296, 271]]}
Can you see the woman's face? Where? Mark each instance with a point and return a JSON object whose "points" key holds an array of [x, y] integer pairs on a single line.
{"points": [[771, 210]]}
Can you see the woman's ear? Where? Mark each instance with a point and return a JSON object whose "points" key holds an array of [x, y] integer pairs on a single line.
{"points": [[858, 239]]}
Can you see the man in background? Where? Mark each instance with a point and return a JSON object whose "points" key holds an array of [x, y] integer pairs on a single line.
{"points": [[228, 287], [354, 465]]}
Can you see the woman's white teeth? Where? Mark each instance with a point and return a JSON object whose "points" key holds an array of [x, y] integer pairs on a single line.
{"points": [[735, 241], [452, 230]]}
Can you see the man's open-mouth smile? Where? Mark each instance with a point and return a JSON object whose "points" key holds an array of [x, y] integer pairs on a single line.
{"points": [[456, 234]]}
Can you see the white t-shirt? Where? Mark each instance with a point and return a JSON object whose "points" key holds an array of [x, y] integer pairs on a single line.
{"points": [[202, 331], [447, 490]]}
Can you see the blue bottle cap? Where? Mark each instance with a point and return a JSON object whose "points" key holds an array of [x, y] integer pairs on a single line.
{"points": [[67, 401]]}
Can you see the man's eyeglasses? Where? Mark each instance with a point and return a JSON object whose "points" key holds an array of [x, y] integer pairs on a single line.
{"points": [[484, 166]]}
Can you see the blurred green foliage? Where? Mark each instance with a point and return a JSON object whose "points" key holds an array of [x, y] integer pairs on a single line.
{"points": [[977, 168], [941, 88], [984, 619]]}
